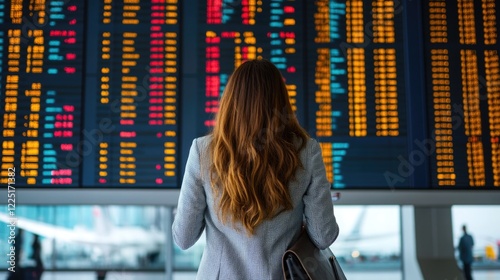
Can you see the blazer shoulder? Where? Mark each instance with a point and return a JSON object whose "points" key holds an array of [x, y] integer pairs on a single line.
{"points": [[203, 141], [202, 144], [311, 144]]}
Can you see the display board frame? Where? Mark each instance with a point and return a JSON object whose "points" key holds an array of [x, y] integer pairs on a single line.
{"points": [[414, 167], [170, 197]]}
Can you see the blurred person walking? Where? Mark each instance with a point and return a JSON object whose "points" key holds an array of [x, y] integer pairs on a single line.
{"points": [[37, 257], [465, 252]]}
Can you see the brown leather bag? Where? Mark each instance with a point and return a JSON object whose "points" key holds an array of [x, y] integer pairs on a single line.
{"points": [[303, 260]]}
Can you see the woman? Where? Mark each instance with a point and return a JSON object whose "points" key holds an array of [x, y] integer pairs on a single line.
{"points": [[253, 182]]}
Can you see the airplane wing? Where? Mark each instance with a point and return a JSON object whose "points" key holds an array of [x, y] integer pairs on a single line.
{"points": [[369, 236], [114, 238], [56, 232]]}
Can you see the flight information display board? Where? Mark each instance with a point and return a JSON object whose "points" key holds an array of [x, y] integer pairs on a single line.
{"points": [[232, 32], [41, 85], [355, 85], [90, 99], [111, 93], [134, 94], [352, 90], [463, 88]]}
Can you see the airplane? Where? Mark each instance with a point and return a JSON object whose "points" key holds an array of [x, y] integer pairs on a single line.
{"points": [[129, 246], [368, 237]]}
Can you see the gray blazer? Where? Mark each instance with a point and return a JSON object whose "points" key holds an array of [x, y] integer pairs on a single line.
{"points": [[231, 253]]}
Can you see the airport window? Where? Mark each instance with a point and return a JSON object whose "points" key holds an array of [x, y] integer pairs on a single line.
{"points": [[482, 224], [89, 237], [369, 244]]}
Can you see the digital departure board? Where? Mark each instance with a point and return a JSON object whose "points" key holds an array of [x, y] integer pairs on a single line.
{"points": [[355, 86], [463, 90], [352, 90], [134, 93], [90, 99], [232, 32], [41, 85], [111, 93]]}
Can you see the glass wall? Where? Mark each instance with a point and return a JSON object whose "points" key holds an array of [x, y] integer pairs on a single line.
{"points": [[89, 237], [370, 238], [133, 238]]}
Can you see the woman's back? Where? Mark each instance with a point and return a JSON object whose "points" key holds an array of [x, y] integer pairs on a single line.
{"points": [[253, 182], [230, 253]]}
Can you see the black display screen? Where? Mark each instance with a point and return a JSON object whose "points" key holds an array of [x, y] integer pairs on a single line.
{"points": [[111, 93]]}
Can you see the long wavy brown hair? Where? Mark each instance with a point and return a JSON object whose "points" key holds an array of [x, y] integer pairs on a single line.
{"points": [[255, 146]]}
